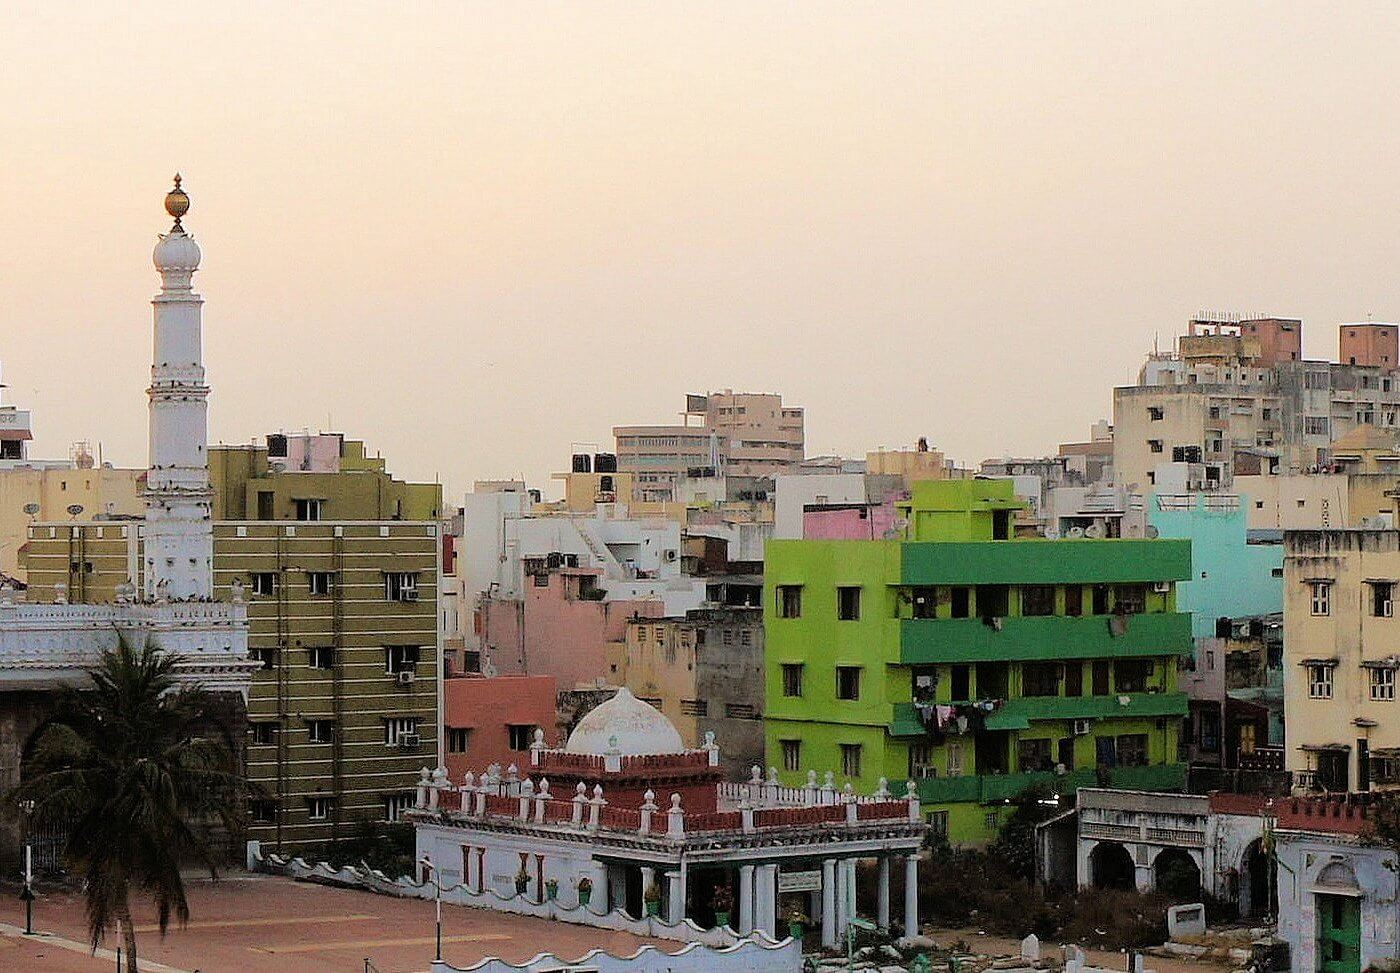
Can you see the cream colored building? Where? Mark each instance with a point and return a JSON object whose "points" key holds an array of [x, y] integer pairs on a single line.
{"points": [[49, 490], [920, 463], [1296, 501], [1341, 658]]}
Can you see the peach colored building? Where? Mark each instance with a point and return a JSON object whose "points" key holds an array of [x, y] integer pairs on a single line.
{"points": [[1374, 343], [493, 720], [560, 627]]}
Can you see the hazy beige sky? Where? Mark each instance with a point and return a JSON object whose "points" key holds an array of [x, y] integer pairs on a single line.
{"points": [[472, 234]]}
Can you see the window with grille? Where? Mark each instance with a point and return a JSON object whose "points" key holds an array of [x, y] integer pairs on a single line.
{"points": [[308, 509], [1130, 675], [401, 585], [319, 731], [792, 679], [740, 711], [318, 808], [850, 759], [397, 728], [792, 754], [1132, 750], [938, 823], [694, 707], [396, 804], [1320, 682], [1383, 684], [457, 737], [1321, 597]]}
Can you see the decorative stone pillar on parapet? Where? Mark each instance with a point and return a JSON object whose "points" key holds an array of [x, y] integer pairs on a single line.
{"points": [[675, 819], [911, 794], [536, 748], [420, 799], [580, 802], [648, 809], [527, 794], [436, 787], [710, 748], [542, 799], [595, 808]]}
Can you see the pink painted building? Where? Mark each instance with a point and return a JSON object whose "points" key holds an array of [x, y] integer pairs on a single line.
{"points": [[847, 521], [560, 628], [493, 720]]}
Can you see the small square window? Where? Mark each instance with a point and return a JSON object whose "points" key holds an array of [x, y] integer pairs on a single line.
{"points": [[320, 657], [320, 731], [848, 682], [396, 804], [457, 737], [264, 583], [318, 808], [792, 754], [308, 509], [792, 679], [264, 732], [848, 603], [264, 655], [521, 735], [850, 759], [263, 811], [1383, 684], [789, 601], [318, 582], [1321, 597]]}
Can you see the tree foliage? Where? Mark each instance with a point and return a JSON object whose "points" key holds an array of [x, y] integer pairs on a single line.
{"points": [[129, 770]]}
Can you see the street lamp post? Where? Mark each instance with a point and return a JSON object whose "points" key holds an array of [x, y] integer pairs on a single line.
{"points": [[431, 873], [27, 893]]}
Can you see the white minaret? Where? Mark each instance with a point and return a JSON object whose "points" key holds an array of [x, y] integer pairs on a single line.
{"points": [[179, 546]]}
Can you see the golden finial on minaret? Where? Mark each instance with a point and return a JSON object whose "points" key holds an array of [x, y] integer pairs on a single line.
{"points": [[177, 202]]}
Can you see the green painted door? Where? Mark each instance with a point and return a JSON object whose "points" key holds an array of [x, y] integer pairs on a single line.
{"points": [[1339, 933]]}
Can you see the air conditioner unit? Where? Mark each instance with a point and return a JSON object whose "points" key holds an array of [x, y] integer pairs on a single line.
{"points": [[1161, 587], [409, 740], [1082, 727], [409, 595], [404, 678]]}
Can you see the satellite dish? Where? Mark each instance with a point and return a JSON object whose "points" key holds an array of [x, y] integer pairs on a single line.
{"points": [[31, 508], [74, 509]]}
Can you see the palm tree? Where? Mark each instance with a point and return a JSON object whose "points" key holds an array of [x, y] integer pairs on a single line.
{"points": [[127, 768]]}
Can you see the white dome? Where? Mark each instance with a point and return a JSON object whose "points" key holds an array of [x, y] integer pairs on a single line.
{"points": [[176, 251], [625, 725]]}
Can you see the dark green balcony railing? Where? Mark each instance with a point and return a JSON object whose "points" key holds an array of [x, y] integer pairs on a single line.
{"points": [[1043, 638], [1046, 562], [989, 788], [1019, 714]]}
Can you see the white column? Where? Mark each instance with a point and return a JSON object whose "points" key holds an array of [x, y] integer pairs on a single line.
{"points": [[882, 892], [745, 899], [911, 895], [676, 890], [648, 877], [840, 913], [768, 898], [829, 903], [599, 902], [851, 912]]}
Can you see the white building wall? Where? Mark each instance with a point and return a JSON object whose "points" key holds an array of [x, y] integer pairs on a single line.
{"points": [[1302, 856], [792, 492]]}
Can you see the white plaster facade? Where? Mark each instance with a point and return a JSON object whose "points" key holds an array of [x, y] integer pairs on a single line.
{"points": [[1313, 865]]}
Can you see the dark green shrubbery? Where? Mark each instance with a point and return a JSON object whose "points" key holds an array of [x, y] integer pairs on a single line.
{"points": [[378, 844]]}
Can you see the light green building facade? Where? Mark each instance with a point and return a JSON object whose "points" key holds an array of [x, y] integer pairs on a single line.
{"points": [[974, 663]]}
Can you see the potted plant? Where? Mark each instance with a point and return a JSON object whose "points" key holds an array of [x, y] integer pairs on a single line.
{"points": [[652, 898], [724, 903], [585, 891], [551, 889], [522, 881], [797, 925]]}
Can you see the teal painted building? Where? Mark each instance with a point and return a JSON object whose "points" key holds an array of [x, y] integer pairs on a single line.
{"points": [[974, 663], [1230, 577]]}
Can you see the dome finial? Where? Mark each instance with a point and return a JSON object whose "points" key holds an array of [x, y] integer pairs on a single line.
{"points": [[177, 202]]}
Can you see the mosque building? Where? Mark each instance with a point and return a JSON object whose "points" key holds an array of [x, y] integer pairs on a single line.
{"points": [[624, 817]]}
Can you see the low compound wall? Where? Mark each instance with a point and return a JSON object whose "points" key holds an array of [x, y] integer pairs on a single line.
{"points": [[715, 941], [748, 956]]}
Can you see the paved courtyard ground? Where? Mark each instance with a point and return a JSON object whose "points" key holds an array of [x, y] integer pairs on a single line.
{"points": [[258, 923]]}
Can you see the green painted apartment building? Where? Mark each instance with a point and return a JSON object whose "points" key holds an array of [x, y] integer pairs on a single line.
{"points": [[972, 662]]}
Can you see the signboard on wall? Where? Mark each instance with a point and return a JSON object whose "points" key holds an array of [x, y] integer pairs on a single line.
{"points": [[800, 881]]}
